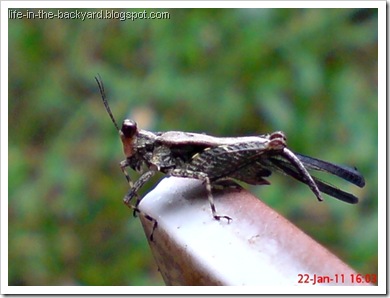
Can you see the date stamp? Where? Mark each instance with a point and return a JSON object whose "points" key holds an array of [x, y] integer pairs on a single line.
{"points": [[338, 279]]}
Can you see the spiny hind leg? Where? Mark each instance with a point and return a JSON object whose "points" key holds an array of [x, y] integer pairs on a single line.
{"points": [[206, 181]]}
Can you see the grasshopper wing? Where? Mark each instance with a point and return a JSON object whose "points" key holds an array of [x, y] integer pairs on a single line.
{"points": [[346, 173]]}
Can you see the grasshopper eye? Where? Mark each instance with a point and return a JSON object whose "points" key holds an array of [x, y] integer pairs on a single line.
{"points": [[129, 128]]}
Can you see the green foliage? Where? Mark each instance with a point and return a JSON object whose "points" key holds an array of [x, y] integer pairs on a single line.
{"points": [[311, 73]]}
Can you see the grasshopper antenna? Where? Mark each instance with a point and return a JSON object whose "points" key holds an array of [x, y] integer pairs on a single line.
{"points": [[103, 94]]}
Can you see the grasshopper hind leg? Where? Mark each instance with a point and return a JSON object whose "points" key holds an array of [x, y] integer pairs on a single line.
{"points": [[206, 181], [211, 200]]}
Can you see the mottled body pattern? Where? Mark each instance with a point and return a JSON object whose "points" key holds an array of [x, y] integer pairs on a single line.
{"points": [[212, 160]]}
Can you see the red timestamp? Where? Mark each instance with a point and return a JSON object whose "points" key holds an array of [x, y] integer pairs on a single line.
{"points": [[346, 279]]}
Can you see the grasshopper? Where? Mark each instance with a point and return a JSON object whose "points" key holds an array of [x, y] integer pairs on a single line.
{"points": [[215, 160]]}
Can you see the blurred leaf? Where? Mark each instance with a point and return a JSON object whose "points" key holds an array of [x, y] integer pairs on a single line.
{"points": [[309, 72]]}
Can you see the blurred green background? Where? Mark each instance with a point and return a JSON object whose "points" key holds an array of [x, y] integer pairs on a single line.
{"points": [[311, 73]]}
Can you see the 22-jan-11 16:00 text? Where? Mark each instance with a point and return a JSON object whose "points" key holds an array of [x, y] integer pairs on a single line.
{"points": [[337, 279]]}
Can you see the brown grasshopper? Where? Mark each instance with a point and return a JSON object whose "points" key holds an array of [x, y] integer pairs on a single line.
{"points": [[214, 160]]}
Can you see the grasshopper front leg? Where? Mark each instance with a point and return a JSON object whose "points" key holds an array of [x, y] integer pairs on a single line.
{"points": [[124, 164], [133, 193], [138, 184]]}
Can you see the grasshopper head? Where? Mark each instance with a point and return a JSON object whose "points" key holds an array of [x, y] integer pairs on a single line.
{"points": [[128, 134], [129, 128]]}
